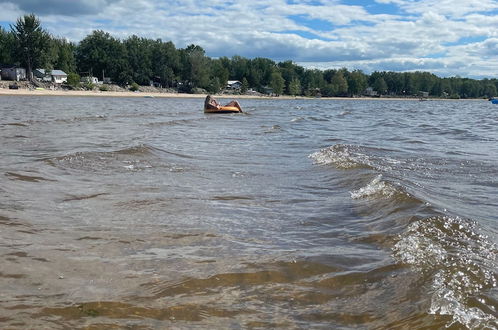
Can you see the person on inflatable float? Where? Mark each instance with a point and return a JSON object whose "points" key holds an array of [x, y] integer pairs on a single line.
{"points": [[211, 103]]}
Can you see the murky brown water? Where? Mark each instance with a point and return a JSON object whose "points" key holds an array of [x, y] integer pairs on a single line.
{"points": [[148, 214]]}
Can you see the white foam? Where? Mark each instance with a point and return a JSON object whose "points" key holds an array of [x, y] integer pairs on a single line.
{"points": [[340, 156], [351, 156], [376, 187], [463, 263]]}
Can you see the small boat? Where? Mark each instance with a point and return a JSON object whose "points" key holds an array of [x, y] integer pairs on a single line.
{"points": [[494, 101], [212, 106]]}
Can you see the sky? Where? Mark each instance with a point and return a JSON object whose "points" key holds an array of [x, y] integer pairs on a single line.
{"points": [[445, 37]]}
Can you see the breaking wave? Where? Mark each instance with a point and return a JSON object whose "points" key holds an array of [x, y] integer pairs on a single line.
{"points": [[460, 262], [376, 187], [345, 156]]}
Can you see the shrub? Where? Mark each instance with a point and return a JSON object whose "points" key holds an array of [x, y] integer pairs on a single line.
{"points": [[104, 88], [134, 87], [73, 79], [88, 86]]}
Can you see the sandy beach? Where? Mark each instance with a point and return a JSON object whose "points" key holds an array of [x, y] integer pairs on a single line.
{"points": [[47, 92], [96, 93]]}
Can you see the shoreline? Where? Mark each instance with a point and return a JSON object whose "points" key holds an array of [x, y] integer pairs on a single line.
{"points": [[73, 93]]}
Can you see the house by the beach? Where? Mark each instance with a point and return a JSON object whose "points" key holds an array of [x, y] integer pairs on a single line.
{"points": [[267, 90], [13, 73], [370, 92], [234, 85], [90, 80], [56, 76]]}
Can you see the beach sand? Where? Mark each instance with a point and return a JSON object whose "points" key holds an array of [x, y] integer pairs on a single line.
{"points": [[47, 92]]}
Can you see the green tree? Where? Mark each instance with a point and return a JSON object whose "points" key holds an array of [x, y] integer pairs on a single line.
{"points": [[295, 87], [277, 82], [6, 46], [73, 79], [214, 85], [65, 56], [339, 84], [165, 62], [195, 67], [239, 67], [328, 74], [139, 58], [245, 86], [409, 84], [220, 72], [260, 72], [313, 82], [290, 71], [394, 81], [327, 90], [357, 82], [470, 89], [100, 53], [490, 90], [380, 85], [31, 41]]}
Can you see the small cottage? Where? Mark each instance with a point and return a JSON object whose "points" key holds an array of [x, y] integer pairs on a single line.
{"points": [[56, 76], [42, 75], [234, 85], [13, 73], [90, 80], [267, 90], [370, 92]]}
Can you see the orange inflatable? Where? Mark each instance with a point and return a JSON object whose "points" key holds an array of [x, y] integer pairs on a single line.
{"points": [[212, 106]]}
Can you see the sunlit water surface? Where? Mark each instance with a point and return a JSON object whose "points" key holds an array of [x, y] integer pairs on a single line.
{"points": [[147, 213]]}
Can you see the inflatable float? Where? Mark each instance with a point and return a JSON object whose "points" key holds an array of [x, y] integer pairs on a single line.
{"points": [[212, 106], [223, 109]]}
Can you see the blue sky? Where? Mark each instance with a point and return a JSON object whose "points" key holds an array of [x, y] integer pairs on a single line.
{"points": [[446, 37]]}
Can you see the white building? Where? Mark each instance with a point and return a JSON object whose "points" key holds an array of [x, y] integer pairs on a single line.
{"points": [[56, 76], [90, 80], [234, 84]]}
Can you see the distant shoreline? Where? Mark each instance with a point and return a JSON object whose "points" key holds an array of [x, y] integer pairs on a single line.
{"points": [[47, 92]]}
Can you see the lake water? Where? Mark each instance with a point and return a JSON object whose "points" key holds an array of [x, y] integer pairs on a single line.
{"points": [[147, 213]]}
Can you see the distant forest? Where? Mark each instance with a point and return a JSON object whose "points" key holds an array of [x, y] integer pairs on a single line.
{"points": [[138, 60]]}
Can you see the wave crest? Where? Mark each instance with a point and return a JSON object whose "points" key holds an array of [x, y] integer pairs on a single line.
{"points": [[460, 262], [341, 156], [377, 187]]}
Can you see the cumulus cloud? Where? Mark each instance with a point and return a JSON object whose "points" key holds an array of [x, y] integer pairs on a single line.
{"points": [[59, 7], [442, 36]]}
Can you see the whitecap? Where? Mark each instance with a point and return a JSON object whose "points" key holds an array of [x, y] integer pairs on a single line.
{"points": [[376, 187], [461, 264], [341, 156]]}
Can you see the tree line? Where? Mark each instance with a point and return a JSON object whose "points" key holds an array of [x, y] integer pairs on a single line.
{"points": [[138, 60]]}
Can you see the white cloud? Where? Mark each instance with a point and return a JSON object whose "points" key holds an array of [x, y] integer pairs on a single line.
{"points": [[425, 36], [59, 7], [9, 12], [450, 8]]}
